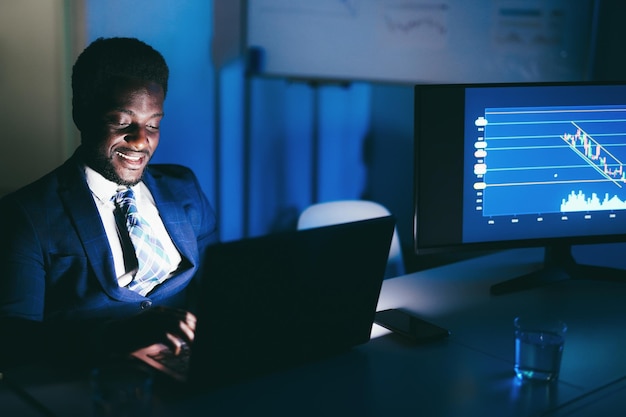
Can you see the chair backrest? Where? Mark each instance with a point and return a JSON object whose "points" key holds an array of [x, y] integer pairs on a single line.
{"points": [[344, 211]]}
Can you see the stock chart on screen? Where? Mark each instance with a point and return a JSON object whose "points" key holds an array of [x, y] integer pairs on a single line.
{"points": [[544, 161], [553, 160]]}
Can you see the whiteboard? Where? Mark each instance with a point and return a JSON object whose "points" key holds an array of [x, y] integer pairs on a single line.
{"points": [[417, 41]]}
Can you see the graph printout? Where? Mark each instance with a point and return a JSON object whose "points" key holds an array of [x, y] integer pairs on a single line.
{"points": [[546, 171]]}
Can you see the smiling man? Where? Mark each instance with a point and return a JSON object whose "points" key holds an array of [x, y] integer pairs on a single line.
{"points": [[101, 255], [129, 132]]}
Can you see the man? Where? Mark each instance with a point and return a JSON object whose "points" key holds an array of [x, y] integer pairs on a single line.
{"points": [[71, 281]]}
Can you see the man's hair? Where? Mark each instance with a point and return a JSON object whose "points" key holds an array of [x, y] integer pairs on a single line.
{"points": [[105, 61]]}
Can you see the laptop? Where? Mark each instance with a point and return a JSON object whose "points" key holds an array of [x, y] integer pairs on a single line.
{"points": [[280, 300]]}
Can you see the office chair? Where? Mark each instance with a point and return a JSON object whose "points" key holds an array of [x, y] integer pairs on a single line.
{"points": [[344, 211]]}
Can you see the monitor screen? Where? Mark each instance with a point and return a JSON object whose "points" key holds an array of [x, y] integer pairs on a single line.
{"points": [[513, 165]]}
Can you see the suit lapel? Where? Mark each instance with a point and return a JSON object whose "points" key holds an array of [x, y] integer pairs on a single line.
{"points": [[79, 205], [173, 215]]}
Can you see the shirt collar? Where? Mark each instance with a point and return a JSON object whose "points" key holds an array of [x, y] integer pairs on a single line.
{"points": [[102, 188]]}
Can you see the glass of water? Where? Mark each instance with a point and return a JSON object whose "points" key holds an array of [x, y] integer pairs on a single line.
{"points": [[538, 348]]}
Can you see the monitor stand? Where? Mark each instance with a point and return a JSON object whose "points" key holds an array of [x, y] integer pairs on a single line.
{"points": [[558, 265]]}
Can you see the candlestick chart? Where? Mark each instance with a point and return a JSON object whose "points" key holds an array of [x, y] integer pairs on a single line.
{"points": [[565, 159]]}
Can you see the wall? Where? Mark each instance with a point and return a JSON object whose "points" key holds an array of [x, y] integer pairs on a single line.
{"points": [[37, 133], [610, 55]]}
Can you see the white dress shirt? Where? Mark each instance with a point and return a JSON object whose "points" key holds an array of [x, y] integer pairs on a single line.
{"points": [[103, 191]]}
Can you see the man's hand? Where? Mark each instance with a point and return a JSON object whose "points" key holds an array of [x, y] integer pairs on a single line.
{"points": [[172, 327]]}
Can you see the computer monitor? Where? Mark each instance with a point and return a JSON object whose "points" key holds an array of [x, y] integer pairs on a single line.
{"points": [[521, 165]]}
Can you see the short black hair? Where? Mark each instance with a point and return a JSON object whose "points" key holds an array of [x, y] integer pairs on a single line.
{"points": [[106, 60]]}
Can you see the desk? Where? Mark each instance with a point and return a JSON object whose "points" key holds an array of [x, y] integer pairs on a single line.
{"points": [[469, 374], [14, 402]]}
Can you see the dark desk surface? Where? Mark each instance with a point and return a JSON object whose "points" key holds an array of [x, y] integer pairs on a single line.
{"points": [[469, 374], [12, 404]]}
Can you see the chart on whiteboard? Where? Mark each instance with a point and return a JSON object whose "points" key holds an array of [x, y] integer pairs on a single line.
{"points": [[411, 41]]}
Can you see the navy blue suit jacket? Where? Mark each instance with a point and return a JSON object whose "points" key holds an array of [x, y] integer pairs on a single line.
{"points": [[56, 263]]}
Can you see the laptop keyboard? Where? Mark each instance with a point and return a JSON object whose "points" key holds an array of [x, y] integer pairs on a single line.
{"points": [[179, 363]]}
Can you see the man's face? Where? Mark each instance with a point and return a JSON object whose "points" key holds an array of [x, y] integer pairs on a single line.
{"points": [[127, 131]]}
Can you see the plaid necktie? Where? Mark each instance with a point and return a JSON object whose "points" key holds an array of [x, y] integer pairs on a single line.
{"points": [[153, 263]]}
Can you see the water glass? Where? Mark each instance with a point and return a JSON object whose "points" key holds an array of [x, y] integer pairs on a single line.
{"points": [[538, 348]]}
